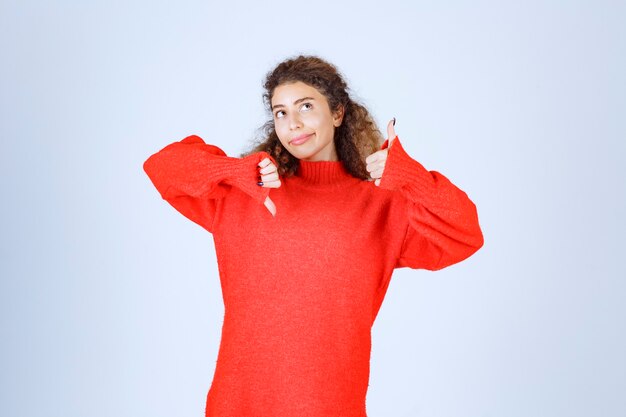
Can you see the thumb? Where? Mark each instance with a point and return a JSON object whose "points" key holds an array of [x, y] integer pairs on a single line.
{"points": [[270, 205], [391, 133]]}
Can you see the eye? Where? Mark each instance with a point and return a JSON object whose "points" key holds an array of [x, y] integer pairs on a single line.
{"points": [[308, 104], [278, 112]]}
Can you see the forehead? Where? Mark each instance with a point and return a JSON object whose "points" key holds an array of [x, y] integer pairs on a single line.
{"points": [[286, 94]]}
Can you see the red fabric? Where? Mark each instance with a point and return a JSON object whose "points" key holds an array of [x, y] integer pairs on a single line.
{"points": [[301, 290]]}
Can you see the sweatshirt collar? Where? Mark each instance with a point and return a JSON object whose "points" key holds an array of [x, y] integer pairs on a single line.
{"points": [[322, 172]]}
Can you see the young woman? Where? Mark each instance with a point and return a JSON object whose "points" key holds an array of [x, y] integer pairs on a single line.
{"points": [[308, 227]]}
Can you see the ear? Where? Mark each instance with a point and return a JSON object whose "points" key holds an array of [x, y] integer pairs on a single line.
{"points": [[338, 116]]}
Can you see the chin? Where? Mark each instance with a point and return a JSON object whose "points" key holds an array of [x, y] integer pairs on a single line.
{"points": [[299, 153], [302, 156]]}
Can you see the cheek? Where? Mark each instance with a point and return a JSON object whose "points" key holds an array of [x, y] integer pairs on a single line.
{"points": [[281, 132], [317, 123]]}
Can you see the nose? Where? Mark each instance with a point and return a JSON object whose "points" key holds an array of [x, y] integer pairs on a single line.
{"points": [[294, 121]]}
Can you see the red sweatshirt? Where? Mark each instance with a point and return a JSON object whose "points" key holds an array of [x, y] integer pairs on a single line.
{"points": [[302, 289]]}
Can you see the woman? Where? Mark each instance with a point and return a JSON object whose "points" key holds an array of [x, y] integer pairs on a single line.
{"points": [[308, 228]]}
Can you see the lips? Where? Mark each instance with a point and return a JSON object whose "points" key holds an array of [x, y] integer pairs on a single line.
{"points": [[300, 139]]}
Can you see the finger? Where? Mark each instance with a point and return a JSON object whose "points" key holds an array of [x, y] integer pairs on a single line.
{"points": [[272, 184], [391, 133], [267, 169], [371, 158], [377, 174], [270, 177], [264, 162], [377, 182], [270, 205], [380, 161], [376, 156], [375, 166]]}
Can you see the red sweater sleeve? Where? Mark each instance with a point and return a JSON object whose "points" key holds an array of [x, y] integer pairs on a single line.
{"points": [[192, 176], [443, 222]]}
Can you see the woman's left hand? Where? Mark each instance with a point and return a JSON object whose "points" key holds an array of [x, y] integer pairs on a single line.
{"points": [[376, 161]]}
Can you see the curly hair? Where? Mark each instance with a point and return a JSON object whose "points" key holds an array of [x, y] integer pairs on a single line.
{"points": [[356, 137]]}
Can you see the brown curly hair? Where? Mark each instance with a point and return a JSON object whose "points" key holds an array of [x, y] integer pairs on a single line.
{"points": [[356, 137]]}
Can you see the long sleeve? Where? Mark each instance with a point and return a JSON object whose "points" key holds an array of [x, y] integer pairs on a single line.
{"points": [[443, 226], [193, 176]]}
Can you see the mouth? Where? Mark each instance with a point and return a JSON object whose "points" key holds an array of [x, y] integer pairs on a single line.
{"points": [[300, 139]]}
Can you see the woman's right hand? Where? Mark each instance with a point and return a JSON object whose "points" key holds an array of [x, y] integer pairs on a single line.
{"points": [[268, 173]]}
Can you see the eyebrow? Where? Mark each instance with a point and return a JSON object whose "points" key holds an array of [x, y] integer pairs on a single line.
{"points": [[295, 102]]}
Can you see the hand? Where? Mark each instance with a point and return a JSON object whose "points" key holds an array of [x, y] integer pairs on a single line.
{"points": [[269, 177], [376, 161]]}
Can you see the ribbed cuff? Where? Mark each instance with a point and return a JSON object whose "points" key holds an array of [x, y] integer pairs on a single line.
{"points": [[245, 175], [238, 172], [402, 171]]}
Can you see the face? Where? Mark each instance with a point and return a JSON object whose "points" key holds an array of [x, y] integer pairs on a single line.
{"points": [[304, 122]]}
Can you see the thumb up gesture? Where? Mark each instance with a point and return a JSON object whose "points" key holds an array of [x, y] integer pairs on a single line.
{"points": [[268, 174], [376, 161]]}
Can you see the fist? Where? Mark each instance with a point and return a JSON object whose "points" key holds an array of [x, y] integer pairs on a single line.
{"points": [[376, 161], [268, 177]]}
